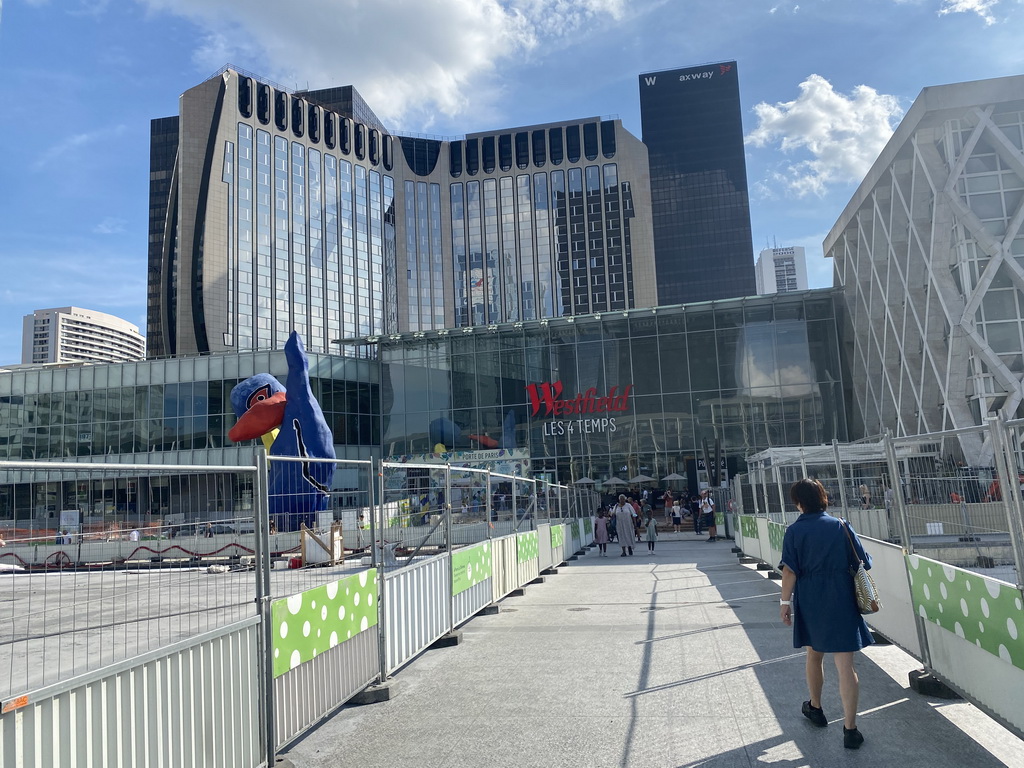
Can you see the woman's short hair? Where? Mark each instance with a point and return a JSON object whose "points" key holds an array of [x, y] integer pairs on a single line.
{"points": [[809, 495]]}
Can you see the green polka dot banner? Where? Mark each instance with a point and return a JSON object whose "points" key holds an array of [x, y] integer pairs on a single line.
{"points": [[557, 535], [528, 546], [311, 622], [748, 526], [470, 566], [983, 611], [776, 533]]}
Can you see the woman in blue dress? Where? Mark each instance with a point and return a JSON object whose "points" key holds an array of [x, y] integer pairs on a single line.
{"points": [[818, 601]]}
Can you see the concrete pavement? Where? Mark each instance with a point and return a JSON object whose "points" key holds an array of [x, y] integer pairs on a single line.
{"points": [[671, 659]]}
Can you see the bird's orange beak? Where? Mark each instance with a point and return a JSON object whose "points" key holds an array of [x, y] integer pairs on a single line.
{"points": [[260, 419]]}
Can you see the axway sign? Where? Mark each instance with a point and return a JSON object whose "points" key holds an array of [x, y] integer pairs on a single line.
{"points": [[706, 74]]}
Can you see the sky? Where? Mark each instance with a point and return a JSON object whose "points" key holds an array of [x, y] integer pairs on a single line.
{"points": [[823, 83]]}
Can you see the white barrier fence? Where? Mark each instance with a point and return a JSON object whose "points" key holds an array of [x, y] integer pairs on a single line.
{"points": [[966, 627], [218, 700]]}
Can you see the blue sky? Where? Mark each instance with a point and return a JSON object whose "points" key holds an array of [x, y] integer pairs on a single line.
{"points": [[823, 83]]}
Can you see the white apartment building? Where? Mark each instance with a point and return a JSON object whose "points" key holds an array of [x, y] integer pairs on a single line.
{"points": [[781, 270], [75, 335]]}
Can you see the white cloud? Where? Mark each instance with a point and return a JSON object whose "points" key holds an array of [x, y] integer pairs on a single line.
{"points": [[110, 226], [980, 7], [842, 134], [408, 59], [73, 143]]}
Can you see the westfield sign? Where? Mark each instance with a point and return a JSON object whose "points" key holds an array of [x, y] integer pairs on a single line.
{"points": [[546, 399]]}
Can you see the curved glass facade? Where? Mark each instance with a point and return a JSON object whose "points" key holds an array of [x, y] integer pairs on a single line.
{"points": [[623, 394], [170, 405]]}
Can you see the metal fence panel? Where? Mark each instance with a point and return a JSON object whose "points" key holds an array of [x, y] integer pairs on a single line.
{"points": [[467, 604], [504, 566], [193, 704], [304, 695], [897, 619], [544, 560], [417, 603]]}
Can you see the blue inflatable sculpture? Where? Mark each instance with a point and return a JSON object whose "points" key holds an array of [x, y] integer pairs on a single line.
{"points": [[290, 422]]}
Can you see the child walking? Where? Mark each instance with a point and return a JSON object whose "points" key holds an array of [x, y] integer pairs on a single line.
{"points": [[652, 532]]}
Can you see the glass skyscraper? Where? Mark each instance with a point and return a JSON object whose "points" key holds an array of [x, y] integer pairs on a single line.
{"points": [[700, 209]]}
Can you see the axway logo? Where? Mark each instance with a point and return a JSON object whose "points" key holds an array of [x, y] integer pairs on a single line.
{"points": [[705, 75]]}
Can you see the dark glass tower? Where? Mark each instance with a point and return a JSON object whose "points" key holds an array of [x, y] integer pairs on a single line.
{"points": [[694, 135]]}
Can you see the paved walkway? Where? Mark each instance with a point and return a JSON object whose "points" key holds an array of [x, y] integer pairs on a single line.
{"points": [[675, 659]]}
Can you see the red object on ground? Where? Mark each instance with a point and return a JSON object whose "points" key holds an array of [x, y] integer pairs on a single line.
{"points": [[295, 562]]}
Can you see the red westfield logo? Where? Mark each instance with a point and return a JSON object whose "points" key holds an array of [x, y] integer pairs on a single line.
{"points": [[723, 68], [549, 397]]}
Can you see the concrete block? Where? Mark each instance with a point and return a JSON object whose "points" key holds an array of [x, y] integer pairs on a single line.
{"points": [[736, 550], [283, 762], [538, 580], [744, 560], [550, 571], [774, 575], [572, 557], [490, 610], [925, 683], [517, 592], [447, 641], [374, 694], [763, 567]]}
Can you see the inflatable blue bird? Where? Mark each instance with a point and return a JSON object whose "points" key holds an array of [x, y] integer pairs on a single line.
{"points": [[292, 425]]}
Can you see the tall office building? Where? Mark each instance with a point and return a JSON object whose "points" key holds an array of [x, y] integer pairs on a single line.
{"points": [[75, 335], [781, 270], [694, 135], [272, 210]]}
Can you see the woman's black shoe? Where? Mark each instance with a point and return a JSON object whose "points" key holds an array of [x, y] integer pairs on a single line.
{"points": [[852, 738], [817, 716]]}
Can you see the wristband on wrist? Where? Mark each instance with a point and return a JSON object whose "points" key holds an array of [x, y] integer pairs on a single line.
{"points": [[785, 602]]}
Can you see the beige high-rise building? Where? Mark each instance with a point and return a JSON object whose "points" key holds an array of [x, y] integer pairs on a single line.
{"points": [[76, 335]]}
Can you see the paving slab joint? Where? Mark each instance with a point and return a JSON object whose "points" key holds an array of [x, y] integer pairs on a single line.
{"points": [[372, 694], [927, 684], [448, 640]]}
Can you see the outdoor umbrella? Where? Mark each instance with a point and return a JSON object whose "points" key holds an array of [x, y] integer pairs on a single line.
{"points": [[673, 477], [614, 481], [584, 481], [641, 479]]}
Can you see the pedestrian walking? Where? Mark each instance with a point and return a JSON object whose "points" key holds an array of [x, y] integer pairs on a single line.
{"points": [[707, 512], [652, 531], [623, 513], [818, 601], [601, 533], [677, 516]]}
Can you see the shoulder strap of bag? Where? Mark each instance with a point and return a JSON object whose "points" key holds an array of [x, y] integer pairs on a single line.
{"points": [[849, 537]]}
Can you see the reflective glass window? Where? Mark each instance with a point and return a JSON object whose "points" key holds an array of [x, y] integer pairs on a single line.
{"points": [[590, 141]]}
